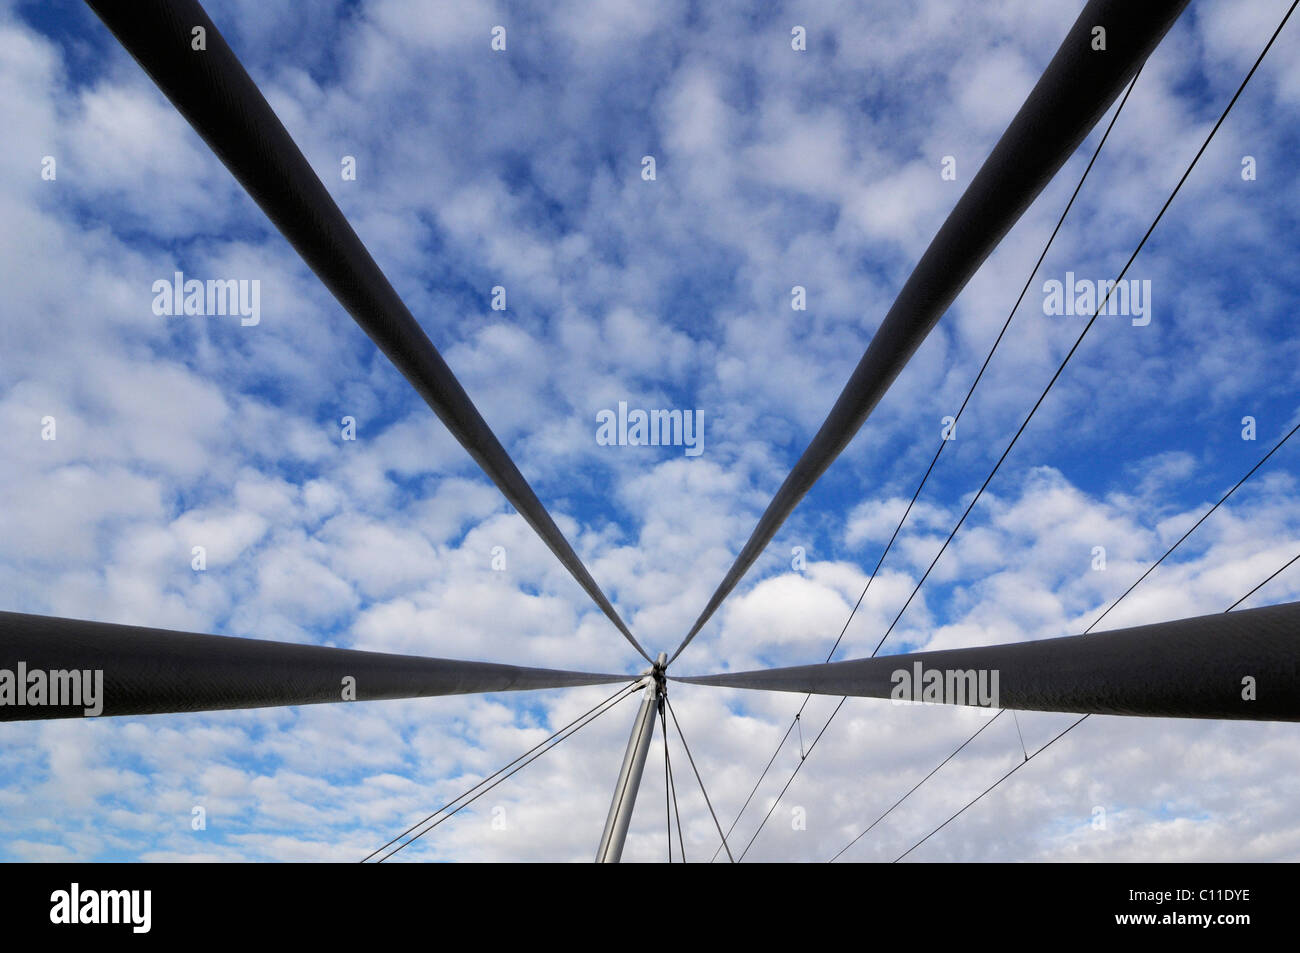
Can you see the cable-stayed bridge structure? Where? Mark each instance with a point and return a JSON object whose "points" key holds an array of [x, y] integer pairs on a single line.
{"points": [[1238, 665]]}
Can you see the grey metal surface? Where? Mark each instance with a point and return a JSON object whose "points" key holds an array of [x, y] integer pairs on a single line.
{"points": [[151, 671], [1071, 96], [623, 802], [1190, 668]]}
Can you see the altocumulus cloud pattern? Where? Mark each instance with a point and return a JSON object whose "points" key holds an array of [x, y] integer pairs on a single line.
{"points": [[1054, 238]]}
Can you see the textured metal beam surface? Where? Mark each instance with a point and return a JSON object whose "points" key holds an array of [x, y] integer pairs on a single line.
{"points": [[1190, 668], [152, 671], [214, 93], [1073, 93], [614, 836]]}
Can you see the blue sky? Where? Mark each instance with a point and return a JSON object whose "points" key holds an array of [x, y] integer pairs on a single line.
{"points": [[775, 168]]}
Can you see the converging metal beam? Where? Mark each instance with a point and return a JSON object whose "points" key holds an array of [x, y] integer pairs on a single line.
{"points": [[614, 836], [68, 668], [1240, 665], [211, 89], [1075, 90]]}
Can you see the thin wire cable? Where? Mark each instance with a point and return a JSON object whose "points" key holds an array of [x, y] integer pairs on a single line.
{"points": [[754, 790], [1091, 321], [1264, 583], [516, 770], [1019, 734], [891, 807], [490, 776], [1019, 765], [1078, 341], [1086, 631], [677, 812], [1276, 447], [993, 350], [668, 805], [691, 758], [957, 419], [793, 775], [1074, 91], [589, 717], [1223, 499], [1062, 734], [672, 783]]}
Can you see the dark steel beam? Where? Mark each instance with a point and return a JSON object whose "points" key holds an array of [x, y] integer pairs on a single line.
{"points": [[1239, 665], [215, 94], [1075, 90], [143, 671]]}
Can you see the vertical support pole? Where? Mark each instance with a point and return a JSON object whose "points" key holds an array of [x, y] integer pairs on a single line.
{"points": [[629, 775]]}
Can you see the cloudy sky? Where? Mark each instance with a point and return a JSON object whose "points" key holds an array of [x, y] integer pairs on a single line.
{"points": [[775, 168]]}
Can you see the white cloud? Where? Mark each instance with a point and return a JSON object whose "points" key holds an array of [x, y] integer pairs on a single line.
{"points": [[775, 169]]}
